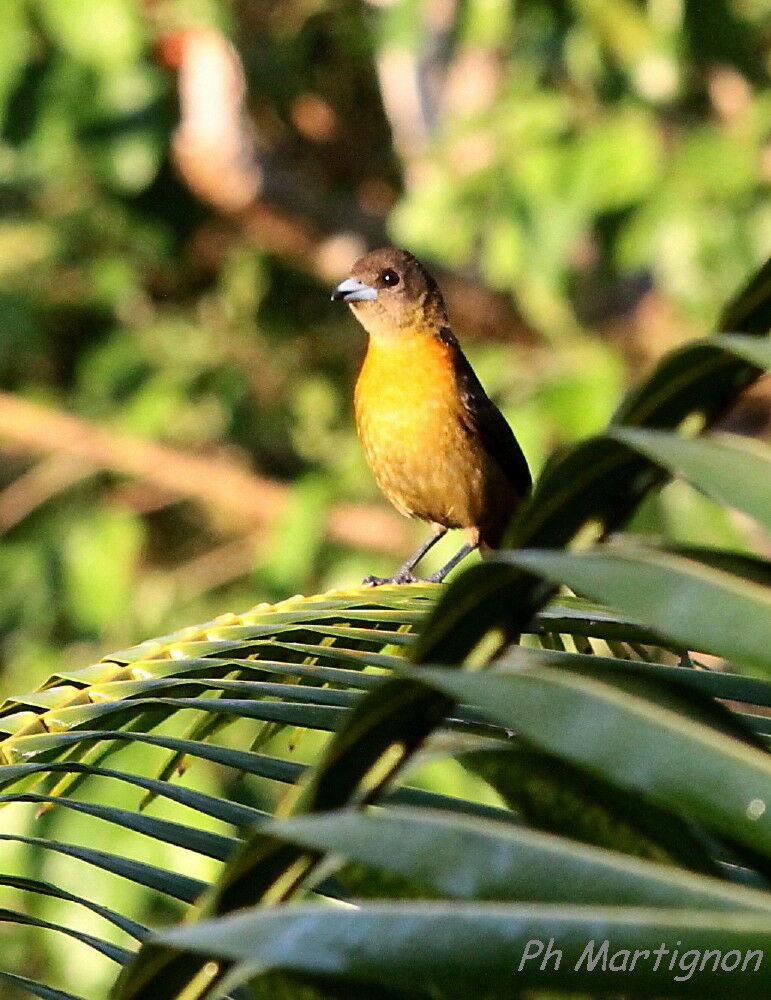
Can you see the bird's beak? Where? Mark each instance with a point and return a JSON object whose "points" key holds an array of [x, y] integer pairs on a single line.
{"points": [[353, 290]]}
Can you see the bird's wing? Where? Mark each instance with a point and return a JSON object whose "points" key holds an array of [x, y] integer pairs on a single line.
{"points": [[487, 421]]}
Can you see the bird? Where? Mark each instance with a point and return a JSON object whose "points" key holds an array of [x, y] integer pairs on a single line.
{"points": [[439, 448]]}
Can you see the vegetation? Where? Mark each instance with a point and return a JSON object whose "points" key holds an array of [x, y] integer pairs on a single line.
{"points": [[176, 440], [628, 752]]}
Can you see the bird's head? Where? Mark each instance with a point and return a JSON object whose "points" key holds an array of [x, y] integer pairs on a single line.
{"points": [[390, 292]]}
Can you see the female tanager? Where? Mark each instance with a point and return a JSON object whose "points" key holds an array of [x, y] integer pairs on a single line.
{"points": [[439, 449]]}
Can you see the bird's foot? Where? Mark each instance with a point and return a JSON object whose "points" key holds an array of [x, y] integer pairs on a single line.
{"points": [[437, 577], [378, 581]]}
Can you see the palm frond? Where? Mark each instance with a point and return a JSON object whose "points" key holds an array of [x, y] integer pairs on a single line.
{"points": [[635, 777]]}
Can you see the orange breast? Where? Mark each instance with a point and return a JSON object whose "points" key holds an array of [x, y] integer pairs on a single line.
{"points": [[408, 416]]}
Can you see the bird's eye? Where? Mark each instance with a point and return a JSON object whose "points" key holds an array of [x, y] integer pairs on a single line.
{"points": [[389, 278]]}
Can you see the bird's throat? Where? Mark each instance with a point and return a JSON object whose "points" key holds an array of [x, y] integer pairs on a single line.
{"points": [[405, 372]]}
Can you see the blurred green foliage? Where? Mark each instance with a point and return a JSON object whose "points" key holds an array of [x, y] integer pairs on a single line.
{"points": [[604, 163]]}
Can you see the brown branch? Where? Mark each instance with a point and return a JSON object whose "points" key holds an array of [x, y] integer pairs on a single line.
{"points": [[239, 499], [220, 156], [51, 476]]}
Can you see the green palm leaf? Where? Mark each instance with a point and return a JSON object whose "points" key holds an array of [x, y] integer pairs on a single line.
{"points": [[619, 775]]}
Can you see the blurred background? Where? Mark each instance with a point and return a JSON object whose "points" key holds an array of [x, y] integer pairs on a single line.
{"points": [[183, 181]]}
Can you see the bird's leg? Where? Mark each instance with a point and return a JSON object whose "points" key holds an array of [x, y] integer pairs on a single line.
{"points": [[442, 573], [404, 572]]}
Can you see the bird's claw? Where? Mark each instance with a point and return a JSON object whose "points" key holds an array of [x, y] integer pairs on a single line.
{"points": [[378, 581]]}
